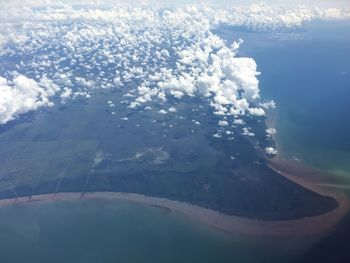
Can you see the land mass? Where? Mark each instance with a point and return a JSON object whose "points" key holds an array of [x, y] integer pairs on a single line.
{"points": [[70, 149]]}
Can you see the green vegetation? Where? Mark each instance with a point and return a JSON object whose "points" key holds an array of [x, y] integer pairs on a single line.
{"points": [[84, 147]]}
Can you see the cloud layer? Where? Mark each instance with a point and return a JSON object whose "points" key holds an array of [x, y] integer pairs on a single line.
{"points": [[166, 53]]}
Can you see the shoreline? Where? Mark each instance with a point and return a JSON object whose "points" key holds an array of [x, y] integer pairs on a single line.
{"points": [[313, 227], [317, 180]]}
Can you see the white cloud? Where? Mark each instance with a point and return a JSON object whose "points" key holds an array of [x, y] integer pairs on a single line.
{"points": [[169, 52], [238, 121], [66, 94], [270, 131], [268, 105], [22, 95], [271, 150], [247, 132], [223, 123], [257, 111], [217, 135], [162, 112]]}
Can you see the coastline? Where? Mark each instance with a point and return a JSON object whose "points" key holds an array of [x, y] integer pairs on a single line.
{"points": [[312, 227], [317, 180], [312, 178]]}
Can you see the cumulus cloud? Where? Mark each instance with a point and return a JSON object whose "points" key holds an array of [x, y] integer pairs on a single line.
{"points": [[270, 132], [223, 123], [169, 52], [210, 69], [238, 121], [22, 95], [66, 94], [268, 105], [247, 132], [270, 150]]}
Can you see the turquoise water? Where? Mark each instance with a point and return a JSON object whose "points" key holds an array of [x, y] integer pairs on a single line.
{"points": [[307, 73], [118, 231]]}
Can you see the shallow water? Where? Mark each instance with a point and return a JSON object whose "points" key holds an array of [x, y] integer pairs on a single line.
{"points": [[115, 231]]}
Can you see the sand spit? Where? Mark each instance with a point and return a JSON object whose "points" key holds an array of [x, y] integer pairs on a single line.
{"points": [[311, 227]]}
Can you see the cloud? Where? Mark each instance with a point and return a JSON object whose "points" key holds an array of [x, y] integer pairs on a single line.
{"points": [[270, 132], [270, 150], [257, 111], [209, 69], [169, 51], [238, 121], [172, 109], [247, 132], [268, 105], [23, 94], [66, 94], [223, 123], [162, 112]]}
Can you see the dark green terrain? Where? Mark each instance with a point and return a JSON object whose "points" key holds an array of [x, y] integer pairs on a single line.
{"points": [[88, 146]]}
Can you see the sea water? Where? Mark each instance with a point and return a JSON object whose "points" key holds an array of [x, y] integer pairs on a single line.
{"points": [[307, 73], [84, 231]]}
